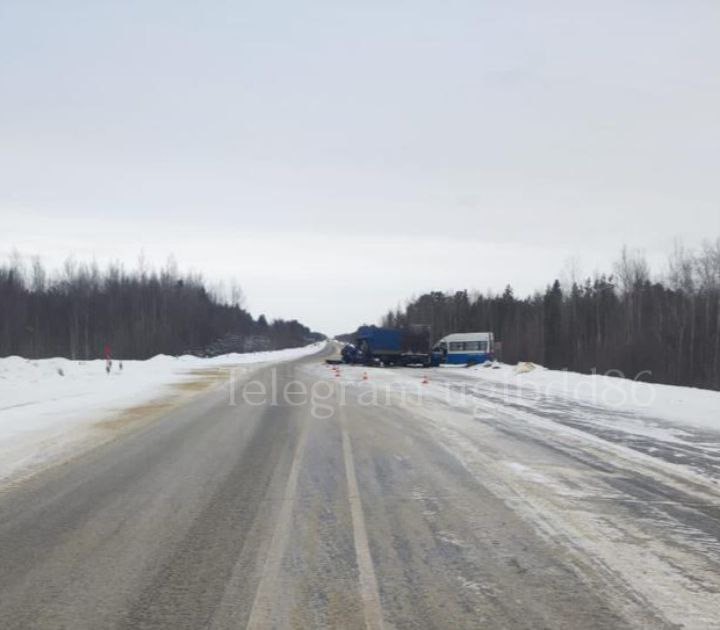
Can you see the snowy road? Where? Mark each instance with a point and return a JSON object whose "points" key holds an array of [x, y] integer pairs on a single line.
{"points": [[371, 503]]}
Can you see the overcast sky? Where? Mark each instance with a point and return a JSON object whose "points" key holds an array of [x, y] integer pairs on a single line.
{"points": [[338, 157]]}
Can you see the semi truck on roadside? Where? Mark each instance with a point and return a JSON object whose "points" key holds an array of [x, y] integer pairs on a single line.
{"points": [[373, 345]]}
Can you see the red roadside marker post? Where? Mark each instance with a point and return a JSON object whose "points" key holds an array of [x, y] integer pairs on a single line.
{"points": [[108, 358]]}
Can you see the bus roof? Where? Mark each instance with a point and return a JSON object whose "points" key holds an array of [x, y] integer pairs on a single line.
{"points": [[469, 336]]}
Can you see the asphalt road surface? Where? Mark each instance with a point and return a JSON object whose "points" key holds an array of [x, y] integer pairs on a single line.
{"points": [[252, 508]]}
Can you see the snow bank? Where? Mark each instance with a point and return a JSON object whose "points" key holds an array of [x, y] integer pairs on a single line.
{"points": [[697, 408], [45, 404]]}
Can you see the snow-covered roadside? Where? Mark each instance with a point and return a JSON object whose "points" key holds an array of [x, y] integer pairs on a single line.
{"points": [[677, 425], [47, 405], [698, 408]]}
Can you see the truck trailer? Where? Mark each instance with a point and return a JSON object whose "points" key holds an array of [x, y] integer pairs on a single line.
{"points": [[373, 345]]}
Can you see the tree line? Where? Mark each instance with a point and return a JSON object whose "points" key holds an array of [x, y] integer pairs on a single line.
{"points": [[80, 310], [664, 330]]}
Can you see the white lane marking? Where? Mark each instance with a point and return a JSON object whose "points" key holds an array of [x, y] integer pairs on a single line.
{"points": [[262, 608], [368, 582]]}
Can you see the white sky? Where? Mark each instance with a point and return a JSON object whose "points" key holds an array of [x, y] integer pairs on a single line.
{"points": [[337, 158]]}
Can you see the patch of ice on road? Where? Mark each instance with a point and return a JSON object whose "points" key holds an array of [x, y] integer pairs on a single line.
{"points": [[429, 504], [526, 472], [450, 538], [469, 585]]}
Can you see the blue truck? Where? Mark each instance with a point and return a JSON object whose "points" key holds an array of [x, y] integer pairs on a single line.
{"points": [[373, 345]]}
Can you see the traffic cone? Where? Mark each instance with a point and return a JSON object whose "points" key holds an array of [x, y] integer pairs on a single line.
{"points": [[365, 376], [425, 380]]}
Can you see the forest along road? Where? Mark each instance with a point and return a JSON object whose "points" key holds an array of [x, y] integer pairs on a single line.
{"points": [[251, 507]]}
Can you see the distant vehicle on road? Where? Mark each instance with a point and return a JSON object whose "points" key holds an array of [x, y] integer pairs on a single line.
{"points": [[373, 345], [462, 348]]}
